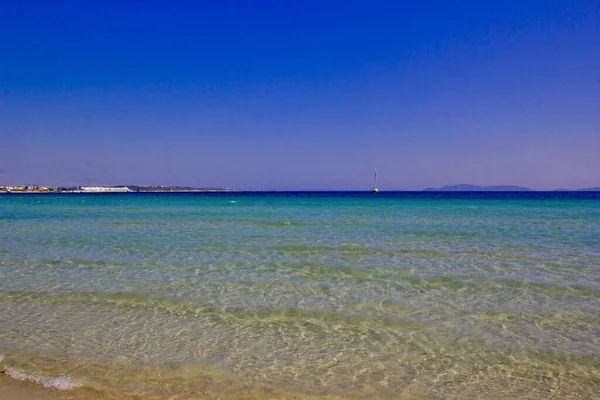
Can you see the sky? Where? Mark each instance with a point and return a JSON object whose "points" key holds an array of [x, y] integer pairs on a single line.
{"points": [[300, 95]]}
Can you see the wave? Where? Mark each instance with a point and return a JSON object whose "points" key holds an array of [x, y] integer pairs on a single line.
{"points": [[128, 223], [60, 382], [435, 234], [69, 262], [365, 250], [213, 313], [486, 284], [346, 248]]}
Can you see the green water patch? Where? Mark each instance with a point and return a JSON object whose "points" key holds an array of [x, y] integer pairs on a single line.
{"points": [[585, 322], [202, 218], [330, 322], [261, 289], [383, 307], [70, 262], [440, 234], [480, 283], [500, 256], [129, 223], [365, 250], [307, 270], [320, 271], [563, 266], [515, 246], [555, 290], [317, 272], [313, 321], [424, 253], [274, 224], [594, 258], [254, 222], [311, 271], [356, 249]]}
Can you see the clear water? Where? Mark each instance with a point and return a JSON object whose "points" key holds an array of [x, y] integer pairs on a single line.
{"points": [[465, 295]]}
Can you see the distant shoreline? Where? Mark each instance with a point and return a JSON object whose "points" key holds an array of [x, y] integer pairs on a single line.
{"points": [[187, 189], [365, 192], [109, 189], [129, 192]]}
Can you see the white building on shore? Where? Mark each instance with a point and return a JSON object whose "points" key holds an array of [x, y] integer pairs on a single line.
{"points": [[104, 189]]}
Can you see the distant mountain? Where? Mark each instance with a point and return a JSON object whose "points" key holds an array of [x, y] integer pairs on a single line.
{"points": [[592, 189], [475, 188]]}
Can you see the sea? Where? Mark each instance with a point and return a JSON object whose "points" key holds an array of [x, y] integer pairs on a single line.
{"points": [[396, 295]]}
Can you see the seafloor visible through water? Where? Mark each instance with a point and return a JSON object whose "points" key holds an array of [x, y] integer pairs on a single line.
{"points": [[424, 295]]}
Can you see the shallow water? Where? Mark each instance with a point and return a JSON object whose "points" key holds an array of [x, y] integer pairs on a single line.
{"points": [[341, 294]]}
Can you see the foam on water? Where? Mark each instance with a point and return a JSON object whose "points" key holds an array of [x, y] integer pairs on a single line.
{"points": [[60, 382]]}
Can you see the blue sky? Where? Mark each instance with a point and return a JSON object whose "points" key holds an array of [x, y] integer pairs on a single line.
{"points": [[290, 95]]}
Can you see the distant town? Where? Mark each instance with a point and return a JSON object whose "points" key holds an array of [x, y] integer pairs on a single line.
{"points": [[106, 189]]}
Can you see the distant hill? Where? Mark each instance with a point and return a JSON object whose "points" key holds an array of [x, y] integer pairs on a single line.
{"points": [[475, 188], [592, 189]]}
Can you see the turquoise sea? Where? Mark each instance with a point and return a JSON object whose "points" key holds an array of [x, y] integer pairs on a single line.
{"points": [[276, 295]]}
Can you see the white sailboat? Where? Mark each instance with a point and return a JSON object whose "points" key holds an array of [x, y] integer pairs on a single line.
{"points": [[375, 190]]}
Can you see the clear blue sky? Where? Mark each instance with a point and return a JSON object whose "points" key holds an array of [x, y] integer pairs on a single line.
{"points": [[289, 94]]}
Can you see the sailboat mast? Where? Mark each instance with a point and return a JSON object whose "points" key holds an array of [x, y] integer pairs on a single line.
{"points": [[375, 190], [375, 178]]}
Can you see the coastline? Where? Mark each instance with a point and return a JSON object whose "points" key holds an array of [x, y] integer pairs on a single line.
{"points": [[148, 383], [14, 389], [120, 192]]}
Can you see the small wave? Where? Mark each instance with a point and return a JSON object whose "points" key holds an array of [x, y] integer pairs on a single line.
{"points": [[60, 382]]}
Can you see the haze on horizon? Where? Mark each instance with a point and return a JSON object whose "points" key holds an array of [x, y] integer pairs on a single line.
{"points": [[306, 95]]}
